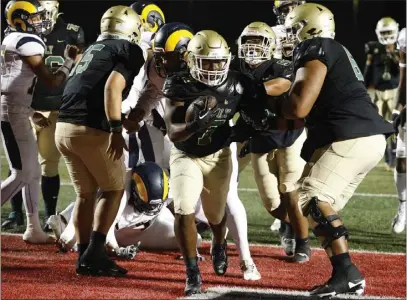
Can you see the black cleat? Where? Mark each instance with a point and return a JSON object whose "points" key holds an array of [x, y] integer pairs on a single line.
{"points": [[287, 238], [101, 267], [193, 283], [349, 282], [219, 258], [14, 219], [302, 253]]}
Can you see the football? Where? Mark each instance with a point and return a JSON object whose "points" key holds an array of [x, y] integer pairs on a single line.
{"points": [[203, 103]]}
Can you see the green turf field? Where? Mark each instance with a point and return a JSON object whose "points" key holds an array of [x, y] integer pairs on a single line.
{"points": [[368, 218]]}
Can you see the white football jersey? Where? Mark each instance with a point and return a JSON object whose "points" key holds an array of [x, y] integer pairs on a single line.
{"points": [[401, 42], [17, 78], [279, 30]]}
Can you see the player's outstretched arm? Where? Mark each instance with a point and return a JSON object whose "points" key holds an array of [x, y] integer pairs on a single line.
{"points": [[43, 73]]}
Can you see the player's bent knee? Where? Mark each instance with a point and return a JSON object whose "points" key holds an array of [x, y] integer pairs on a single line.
{"points": [[323, 227]]}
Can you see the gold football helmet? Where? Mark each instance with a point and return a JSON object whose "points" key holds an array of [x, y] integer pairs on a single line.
{"points": [[387, 31], [283, 7], [51, 14], [121, 22], [307, 21], [257, 43], [208, 57]]}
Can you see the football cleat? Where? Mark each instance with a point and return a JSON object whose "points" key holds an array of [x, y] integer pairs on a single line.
{"points": [[193, 282], [399, 221], [100, 267], [349, 282], [57, 224], [287, 239], [14, 219], [219, 258], [249, 270], [302, 254]]}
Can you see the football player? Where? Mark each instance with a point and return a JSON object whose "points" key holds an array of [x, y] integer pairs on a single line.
{"points": [[275, 144], [382, 73], [143, 217], [22, 55], [399, 221], [89, 133], [328, 90], [57, 35], [281, 8], [200, 104], [169, 46], [284, 50]]}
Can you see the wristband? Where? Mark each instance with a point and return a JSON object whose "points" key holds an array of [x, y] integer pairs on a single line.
{"points": [[401, 65], [191, 127], [68, 63], [116, 125]]}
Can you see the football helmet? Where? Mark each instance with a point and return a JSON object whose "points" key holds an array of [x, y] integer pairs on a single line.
{"points": [[257, 43], [208, 57], [149, 188], [387, 31], [169, 46], [25, 16], [283, 7], [121, 22], [152, 17], [307, 21], [51, 15]]}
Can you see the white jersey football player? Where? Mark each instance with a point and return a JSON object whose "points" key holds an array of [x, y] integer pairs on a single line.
{"points": [[281, 9], [399, 221], [22, 63]]}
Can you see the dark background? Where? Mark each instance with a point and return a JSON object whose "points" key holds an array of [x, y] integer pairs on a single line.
{"points": [[354, 27]]}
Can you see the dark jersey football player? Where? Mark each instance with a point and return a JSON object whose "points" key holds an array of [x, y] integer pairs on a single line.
{"points": [[89, 133], [275, 144], [58, 34], [342, 122], [200, 104], [382, 74]]}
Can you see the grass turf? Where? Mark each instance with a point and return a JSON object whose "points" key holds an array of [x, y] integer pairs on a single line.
{"points": [[368, 218]]}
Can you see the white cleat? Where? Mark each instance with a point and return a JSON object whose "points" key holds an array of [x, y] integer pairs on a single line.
{"points": [[249, 270], [37, 237], [57, 225], [276, 225], [399, 221]]}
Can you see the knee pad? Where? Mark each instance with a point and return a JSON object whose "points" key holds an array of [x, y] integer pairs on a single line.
{"points": [[324, 227]]}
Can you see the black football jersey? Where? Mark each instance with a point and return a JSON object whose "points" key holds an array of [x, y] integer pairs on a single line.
{"points": [[343, 109], [83, 97], [268, 132], [228, 95], [384, 71], [56, 41]]}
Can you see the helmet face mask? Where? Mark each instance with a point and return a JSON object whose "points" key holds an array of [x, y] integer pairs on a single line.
{"points": [[387, 31], [283, 7], [255, 49], [51, 15]]}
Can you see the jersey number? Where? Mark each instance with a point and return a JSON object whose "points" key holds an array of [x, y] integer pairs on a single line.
{"points": [[87, 57], [206, 138], [54, 62], [355, 66]]}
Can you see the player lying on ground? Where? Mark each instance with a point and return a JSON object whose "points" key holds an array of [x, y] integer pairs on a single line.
{"points": [[22, 63], [275, 144], [342, 123]]}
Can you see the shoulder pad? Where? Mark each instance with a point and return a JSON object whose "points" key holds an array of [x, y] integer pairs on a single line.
{"points": [[27, 44], [72, 27], [372, 47]]}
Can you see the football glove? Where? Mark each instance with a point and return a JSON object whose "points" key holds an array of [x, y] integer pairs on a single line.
{"points": [[129, 252]]}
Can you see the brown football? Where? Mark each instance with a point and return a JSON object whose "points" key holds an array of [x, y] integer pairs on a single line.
{"points": [[203, 103]]}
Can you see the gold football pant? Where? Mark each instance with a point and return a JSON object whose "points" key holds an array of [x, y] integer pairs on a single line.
{"points": [[207, 177]]}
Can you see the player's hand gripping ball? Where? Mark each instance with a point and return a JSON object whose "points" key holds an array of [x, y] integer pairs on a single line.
{"points": [[202, 111]]}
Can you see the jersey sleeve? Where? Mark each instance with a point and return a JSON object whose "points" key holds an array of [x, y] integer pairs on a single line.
{"points": [[30, 46], [308, 50], [280, 69], [401, 41], [130, 62]]}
